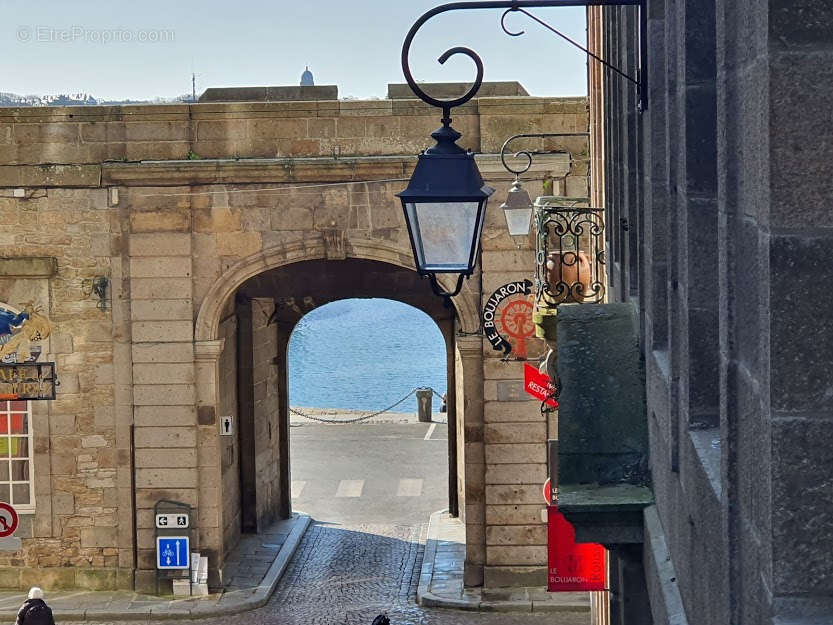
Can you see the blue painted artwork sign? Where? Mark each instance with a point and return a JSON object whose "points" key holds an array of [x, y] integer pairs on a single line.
{"points": [[172, 552], [21, 333]]}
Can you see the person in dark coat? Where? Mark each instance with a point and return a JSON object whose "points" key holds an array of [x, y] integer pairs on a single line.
{"points": [[34, 610]]}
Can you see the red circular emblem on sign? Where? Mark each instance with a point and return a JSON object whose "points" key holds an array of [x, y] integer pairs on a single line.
{"points": [[516, 319], [8, 520], [547, 492]]}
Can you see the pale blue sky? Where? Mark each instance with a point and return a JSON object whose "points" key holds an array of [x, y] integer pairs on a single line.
{"points": [[54, 46]]}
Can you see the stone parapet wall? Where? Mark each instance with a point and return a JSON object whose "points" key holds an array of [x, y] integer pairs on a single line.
{"points": [[95, 134]]}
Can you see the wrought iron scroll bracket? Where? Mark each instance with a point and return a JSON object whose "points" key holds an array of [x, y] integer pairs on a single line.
{"points": [[512, 6], [530, 154], [445, 105]]}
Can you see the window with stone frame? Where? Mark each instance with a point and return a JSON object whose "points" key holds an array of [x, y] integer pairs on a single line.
{"points": [[16, 480]]}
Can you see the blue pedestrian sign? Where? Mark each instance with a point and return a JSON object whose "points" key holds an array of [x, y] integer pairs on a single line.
{"points": [[173, 552]]}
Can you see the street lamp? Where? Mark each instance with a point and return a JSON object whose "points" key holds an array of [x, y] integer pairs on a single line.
{"points": [[445, 206], [445, 202], [518, 207]]}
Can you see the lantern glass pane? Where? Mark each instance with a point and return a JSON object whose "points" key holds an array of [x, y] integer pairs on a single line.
{"points": [[518, 220], [443, 234]]}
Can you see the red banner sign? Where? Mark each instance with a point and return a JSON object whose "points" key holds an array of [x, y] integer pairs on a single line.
{"points": [[539, 385], [572, 566]]}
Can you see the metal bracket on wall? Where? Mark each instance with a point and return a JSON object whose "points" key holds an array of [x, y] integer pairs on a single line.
{"points": [[530, 154], [520, 6]]}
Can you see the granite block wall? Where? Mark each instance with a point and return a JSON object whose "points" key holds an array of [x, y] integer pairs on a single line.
{"points": [[732, 212]]}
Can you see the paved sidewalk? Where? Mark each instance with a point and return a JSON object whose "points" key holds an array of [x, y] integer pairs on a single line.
{"points": [[441, 581], [250, 578]]}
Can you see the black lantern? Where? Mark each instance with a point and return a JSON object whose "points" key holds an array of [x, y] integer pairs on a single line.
{"points": [[445, 206], [445, 202]]}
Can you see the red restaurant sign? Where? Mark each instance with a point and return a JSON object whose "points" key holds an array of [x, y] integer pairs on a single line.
{"points": [[570, 566], [539, 385]]}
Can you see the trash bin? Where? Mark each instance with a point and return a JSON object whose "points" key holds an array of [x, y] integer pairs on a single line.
{"points": [[424, 396]]}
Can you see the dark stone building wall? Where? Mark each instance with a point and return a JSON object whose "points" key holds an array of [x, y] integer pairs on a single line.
{"points": [[721, 231]]}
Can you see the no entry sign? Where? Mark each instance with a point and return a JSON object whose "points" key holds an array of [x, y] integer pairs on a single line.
{"points": [[8, 520], [572, 566]]}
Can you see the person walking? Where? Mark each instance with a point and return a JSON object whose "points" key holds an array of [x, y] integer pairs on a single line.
{"points": [[34, 610]]}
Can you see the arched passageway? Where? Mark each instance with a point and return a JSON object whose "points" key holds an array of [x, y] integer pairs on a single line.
{"points": [[359, 453], [255, 325]]}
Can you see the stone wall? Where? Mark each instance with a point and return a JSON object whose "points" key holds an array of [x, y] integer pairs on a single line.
{"points": [[82, 532], [513, 432], [725, 182], [266, 413], [166, 201], [162, 365]]}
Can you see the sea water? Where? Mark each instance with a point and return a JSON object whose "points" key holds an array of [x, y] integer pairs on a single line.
{"points": [[365, 354]]}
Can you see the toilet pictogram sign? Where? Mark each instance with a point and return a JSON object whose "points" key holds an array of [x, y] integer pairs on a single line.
{"points": [[8, 520]]}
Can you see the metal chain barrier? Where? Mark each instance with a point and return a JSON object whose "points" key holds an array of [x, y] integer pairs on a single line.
{"points": [[362, 418]]}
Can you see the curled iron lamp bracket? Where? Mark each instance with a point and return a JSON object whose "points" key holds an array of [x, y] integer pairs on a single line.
{"points": [[445, 105], [530, 154], [97, 286], [512, 6]]}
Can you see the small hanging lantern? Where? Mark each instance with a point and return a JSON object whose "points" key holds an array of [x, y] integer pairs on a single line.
{"points": [[518, 210]]}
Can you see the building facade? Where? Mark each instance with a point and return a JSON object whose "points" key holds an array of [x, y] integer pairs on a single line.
{"points": [[172, 248], [718, 200]]}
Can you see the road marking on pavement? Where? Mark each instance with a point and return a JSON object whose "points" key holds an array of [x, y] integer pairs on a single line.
{"points": [[350, 488], [430, 431], [297, 488], [409, 488]]}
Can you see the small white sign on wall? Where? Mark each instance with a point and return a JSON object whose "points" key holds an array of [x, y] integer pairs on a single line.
{"points": [[226, 426], [172, 520]]}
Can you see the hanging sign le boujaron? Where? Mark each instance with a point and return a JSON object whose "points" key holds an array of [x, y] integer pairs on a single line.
{"points": [[572, 566], [508, 312]]}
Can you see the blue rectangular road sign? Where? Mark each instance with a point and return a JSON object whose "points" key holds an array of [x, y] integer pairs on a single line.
{"points": [[172, 552]]}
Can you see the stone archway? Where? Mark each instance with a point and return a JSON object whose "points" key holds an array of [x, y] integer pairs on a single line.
{"points": [[302, 249], [465, 360]]}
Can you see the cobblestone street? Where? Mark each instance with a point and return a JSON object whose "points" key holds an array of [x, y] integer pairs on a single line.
{"points": [[348, 575], [363, 553]]}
